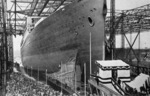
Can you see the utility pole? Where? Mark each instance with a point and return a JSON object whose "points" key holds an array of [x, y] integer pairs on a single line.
{"points": [[90, 56], [46, 76], [38, 73], [85, 79], [15, 16], [112, 28]]}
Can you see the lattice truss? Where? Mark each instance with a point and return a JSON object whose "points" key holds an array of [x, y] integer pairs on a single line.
{"points": [[24, 8], [135, 21], [131, 20]]}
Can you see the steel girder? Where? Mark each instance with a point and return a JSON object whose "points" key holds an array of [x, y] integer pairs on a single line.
{"points": [[134, 19]]}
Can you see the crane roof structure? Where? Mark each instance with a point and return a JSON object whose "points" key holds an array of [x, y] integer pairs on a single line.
{"points": [[20, 9]]}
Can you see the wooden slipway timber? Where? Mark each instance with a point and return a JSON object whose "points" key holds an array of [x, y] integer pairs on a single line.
{"points": [[66, 36]]}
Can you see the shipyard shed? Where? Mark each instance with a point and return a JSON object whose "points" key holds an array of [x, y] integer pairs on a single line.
{"points": [[127, 42]]}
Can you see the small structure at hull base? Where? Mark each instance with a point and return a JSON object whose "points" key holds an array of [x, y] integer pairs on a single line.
{"points": [[116, 69]]}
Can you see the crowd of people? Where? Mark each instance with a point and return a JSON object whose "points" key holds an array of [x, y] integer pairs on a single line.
{"points": [[19, 85]]}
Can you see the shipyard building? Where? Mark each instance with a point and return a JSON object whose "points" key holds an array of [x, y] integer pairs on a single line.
{"points": [[74, 48]]}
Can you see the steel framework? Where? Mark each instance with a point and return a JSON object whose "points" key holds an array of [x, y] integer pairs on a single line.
{"points": [[123, 22], [38, 8], [133, 21], [120, 22], [6, 48], [3, 47]]}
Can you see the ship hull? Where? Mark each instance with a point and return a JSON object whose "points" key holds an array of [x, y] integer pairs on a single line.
{"points": [[67, 34], [49, 62]]}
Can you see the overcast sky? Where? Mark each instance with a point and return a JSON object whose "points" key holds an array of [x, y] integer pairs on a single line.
{"points": [[128, 4], [120, 5]]}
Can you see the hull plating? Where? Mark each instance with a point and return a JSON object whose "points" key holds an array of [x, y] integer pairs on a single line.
{"points": [[65, 35]]}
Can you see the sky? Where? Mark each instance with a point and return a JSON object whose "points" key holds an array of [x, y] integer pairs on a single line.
{"points": [[128, 4], [120, 5], [16, 42]]}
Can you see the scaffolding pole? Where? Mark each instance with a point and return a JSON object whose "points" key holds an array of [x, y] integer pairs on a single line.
{"points": [[5, 48]]}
